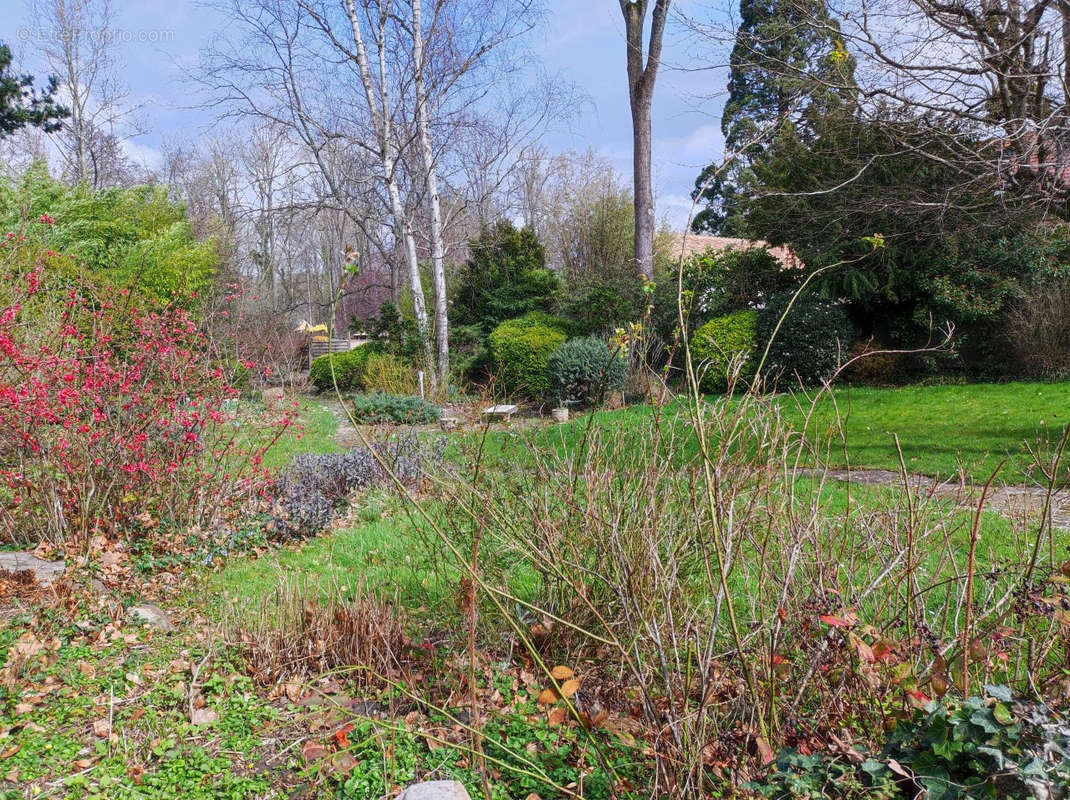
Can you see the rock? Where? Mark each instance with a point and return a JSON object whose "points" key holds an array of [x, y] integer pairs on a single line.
{"points": [[45, 572], [435, 790], [151, 615], [98, 588]]}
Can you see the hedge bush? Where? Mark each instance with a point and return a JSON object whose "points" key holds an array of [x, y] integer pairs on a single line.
{"points": [[721, 342], [993, 746], [381, 408], [583, 371], [386, 372], [520, 349], [348, 368], [812, 341]]}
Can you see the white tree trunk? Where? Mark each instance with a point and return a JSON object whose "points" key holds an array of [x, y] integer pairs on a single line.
{"points": [[380, 113], [438, 250]]}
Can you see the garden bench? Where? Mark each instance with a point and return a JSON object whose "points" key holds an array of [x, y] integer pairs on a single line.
{"points": [[501, 412]]}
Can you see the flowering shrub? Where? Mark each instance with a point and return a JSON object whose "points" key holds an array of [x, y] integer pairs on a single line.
{"points": [[111, 417]]}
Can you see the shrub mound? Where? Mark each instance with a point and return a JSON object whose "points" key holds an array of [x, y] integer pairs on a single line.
{"points": [[309, 493], [386, 372], [994, 746], [721, 344], [584, 371], [812, 341], [381, 408], [348, 369], [520, 349]]}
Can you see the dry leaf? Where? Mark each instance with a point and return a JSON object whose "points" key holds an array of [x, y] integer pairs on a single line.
{"points": [[203, 716], [561, 673], [547, 696], [765, 750], [11, 751], [102, 728], [570, 687], [556, 716]]}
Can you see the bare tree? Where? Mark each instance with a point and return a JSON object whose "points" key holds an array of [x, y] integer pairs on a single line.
{"points": [[642, 74], [79, 47]]}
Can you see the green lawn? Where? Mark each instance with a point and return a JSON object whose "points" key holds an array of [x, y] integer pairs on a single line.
{"points": [[314, 434], [942, 428]]}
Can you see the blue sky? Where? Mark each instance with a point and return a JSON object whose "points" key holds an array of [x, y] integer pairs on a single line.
{"points": [[583, 41]]}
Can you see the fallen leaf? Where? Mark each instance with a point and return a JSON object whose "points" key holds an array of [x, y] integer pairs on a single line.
{"points": [[570, 687], [102, 728], [561, 673], [556, 716], [203, 716], [311, 751], [11, 751], [764, 750], [547, 696], [343, 763], [341, 736]]}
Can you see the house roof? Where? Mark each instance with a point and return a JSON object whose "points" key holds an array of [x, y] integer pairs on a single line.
{"points": [[687, 245]]}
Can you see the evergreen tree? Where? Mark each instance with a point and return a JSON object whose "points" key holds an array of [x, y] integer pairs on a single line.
{"points": [[20, 105], [788, 66], [505, 277]]}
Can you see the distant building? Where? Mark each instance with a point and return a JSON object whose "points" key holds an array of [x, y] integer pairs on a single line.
{"points": [[693, 244]]}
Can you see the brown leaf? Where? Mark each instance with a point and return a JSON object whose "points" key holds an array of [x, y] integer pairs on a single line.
{"points": [[312, 751], [203, 716], [556, 716], [570, 687], [11, 751], [547, 696], [561, 673], [764, 750], [343, 763], [102, 728]]}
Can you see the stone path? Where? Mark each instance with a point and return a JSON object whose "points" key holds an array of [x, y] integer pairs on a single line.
{"points": [[346, 436], [1010, 501], [44, 572]]}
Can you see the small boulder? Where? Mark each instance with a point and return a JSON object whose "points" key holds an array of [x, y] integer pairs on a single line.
{"points": [[151, 615], [435, 790], [44, 572]]}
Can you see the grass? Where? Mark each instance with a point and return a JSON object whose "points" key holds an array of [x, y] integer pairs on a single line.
{"points": [[314, 434], [143, 685], [943, 428]]}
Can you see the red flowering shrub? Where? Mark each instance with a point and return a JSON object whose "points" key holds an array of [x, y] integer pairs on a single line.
{"points": [[109, 415]]}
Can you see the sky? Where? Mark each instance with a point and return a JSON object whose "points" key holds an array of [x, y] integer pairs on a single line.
{"points": [[582, 41]]}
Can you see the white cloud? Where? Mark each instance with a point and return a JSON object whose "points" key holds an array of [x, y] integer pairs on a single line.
{"points": [[146, 156]]}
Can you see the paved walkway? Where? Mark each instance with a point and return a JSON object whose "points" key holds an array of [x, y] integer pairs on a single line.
{"points": [[1010, 501]]}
